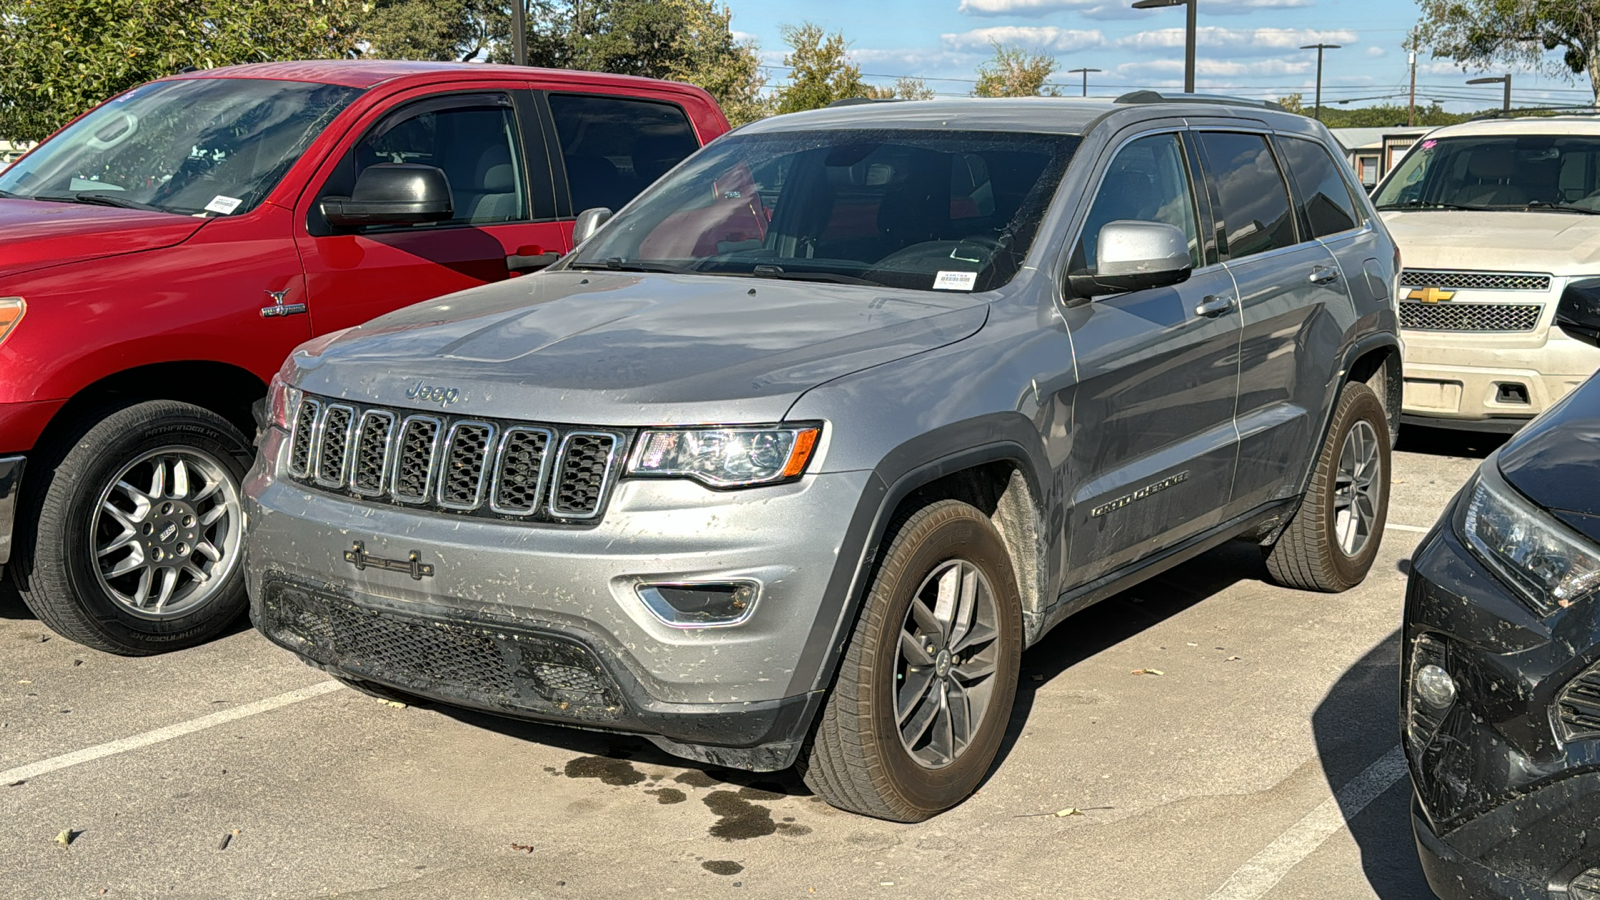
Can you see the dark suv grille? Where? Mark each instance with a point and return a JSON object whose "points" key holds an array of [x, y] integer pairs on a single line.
{"points": [[1482, 281], [1419, 316], [1578, 706], [459, 465]]}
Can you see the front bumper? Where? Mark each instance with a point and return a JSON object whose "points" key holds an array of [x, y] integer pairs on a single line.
{"points": [[10, 492], [1504, 806], [1477, 380], [545, 622]]}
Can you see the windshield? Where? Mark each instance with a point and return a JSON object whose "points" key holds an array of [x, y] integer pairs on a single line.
{"points": [[1527, 171], [206, 145], [927, 210]]}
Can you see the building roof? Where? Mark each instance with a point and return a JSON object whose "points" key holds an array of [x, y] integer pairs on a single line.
{"points": [[1358, 138]]}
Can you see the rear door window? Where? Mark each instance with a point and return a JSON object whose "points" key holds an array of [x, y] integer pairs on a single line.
{"points": [[1324, 198], [615, 147], [1247, 193]]}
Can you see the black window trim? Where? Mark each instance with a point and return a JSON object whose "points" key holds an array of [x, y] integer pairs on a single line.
{"points": [[1300, 203], [558, 162], [500, 97], [1266, 135]]}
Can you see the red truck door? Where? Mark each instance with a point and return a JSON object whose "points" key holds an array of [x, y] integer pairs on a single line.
{"points": [[490, 142]]}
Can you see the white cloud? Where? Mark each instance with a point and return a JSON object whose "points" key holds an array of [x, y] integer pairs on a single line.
{"points": [[744, 37], [1044, 38], [1245, 7], [1111, 9], [1217, 68], [1238, 40]]}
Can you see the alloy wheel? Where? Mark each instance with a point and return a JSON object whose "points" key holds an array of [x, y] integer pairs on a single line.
{"points": [[1356, 487], [945, 674]]}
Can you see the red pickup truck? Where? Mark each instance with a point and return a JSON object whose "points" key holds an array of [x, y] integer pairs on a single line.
{"points": [[161, 255]]}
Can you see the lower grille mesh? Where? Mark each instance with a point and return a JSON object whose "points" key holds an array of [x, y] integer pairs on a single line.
{"points": [[1469, 316]]}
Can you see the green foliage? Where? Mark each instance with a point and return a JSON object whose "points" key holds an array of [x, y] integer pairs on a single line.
{"points": [[820, 70], [1382, 115], [62, 57], [912, 89], [434, 29], [1015, 72], [1481, 33]]}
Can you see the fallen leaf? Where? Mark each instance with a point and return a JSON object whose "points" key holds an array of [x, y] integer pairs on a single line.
{"points": [[525, 848], [1069, 811], [66, 837], [1147, 672], [1230, 659], [226, 840], [395, 703], [1191, 643]]}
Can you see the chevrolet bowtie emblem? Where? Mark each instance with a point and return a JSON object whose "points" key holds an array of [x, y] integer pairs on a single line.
{"points": [[1430, 294]]}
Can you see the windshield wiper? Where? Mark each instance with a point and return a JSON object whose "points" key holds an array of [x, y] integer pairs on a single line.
{"points": [[1418, 204], [7, 195], [108, 198], [617, 264], [831, 277], [1542, 205]]}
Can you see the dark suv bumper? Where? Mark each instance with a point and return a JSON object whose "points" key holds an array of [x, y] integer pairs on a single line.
{"points": [[1504, 806], [521, 669]]}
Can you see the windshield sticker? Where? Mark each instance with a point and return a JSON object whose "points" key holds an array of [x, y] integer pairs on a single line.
{"points": [[1429, 144], [223, 205], [955, 281]]}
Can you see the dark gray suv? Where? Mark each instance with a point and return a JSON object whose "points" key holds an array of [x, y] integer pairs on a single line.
{"points": [[789, 462]]}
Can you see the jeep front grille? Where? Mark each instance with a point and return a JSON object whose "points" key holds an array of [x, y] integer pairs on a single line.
{"points": [[1578, 706], [1418, 316], [460, 465], [1479, 281]]}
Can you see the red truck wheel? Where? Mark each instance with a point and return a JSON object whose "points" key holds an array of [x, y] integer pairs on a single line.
{"points": [[139, 547]]}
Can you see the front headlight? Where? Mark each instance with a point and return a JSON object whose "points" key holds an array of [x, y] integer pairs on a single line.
{"points": [[1550, 565], [282, 400], [727, 457], [11, 310]]}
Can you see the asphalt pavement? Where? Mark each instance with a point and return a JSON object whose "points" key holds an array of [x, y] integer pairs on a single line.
{"points": [[1261, 762]]}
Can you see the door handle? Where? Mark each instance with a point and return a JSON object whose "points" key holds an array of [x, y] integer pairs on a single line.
{"points": [[518, 263], [1213, 306], [1323, 274]]}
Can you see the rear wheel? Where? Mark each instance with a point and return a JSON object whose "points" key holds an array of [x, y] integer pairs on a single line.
{"points": [[1333, 539], [140, 531], [926, 687]]}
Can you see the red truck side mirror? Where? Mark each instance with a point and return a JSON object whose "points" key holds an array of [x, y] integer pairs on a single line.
{"points": [[392, 194]]}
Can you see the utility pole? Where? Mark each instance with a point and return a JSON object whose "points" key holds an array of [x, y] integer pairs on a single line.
{"points": [[1319, 48], [519, 32], [1085, 77], [1505, 104], [1411, 108], [1188, 35]]}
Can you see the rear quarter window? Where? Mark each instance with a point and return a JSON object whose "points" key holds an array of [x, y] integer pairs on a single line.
{"points": [[1325, 203]]}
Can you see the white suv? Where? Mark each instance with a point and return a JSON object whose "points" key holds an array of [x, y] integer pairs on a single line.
{"points": [[1493, 220]]}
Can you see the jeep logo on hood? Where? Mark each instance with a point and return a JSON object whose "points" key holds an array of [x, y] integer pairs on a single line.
{"points": [[427, 393]]}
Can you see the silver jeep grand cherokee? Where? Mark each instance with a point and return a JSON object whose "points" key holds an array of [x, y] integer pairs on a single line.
{"points": [[788, 462]]}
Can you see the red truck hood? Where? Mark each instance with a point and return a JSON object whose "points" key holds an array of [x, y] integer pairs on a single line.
{"points": [[35, 233]]}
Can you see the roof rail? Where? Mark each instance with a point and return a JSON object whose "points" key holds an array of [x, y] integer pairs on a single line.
{"points": [[1538, 110], [857, 101], [1158, 97]]}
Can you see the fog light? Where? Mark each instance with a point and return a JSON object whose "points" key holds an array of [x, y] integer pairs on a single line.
{"points": [[712, 605], [1435, 686]]}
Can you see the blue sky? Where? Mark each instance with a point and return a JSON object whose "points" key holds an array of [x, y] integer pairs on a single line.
{"points": [[1246, 47]]}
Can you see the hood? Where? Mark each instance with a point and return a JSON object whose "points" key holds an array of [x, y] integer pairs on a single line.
{"points": [[624, 349], [1555, 460], [1506, 241], [38, 233]]}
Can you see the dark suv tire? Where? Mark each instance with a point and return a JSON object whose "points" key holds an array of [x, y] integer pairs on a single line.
{"points": [[1330, 544], [138, 547], [926, 686]]}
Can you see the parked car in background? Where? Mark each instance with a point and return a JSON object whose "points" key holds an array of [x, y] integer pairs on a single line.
{"points": [[1501, 655], [161, 255], [1495, 218], [790, 461]]}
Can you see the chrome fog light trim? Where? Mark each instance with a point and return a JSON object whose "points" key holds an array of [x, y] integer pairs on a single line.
{"points": [[718, 604]]}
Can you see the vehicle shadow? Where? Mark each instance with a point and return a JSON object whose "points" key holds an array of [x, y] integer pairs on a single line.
{"points": [[1355, 725], [11, 605], [1449, 442]]}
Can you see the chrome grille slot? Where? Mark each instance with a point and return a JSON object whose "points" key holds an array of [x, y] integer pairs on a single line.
{"points": [[1418, 316], [371, 463], [333, 449], [586, 458], [1578, 706], [466, 465], [305, 424], [489, 468], [414, 456], [1480, 281], [520, 470]]}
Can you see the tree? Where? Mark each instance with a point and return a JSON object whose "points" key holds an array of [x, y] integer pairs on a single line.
{"points": [[1480, 33], [820, 70], [64, 56], [434, 29], [912, 89], [1015, 72], [1383, 115]]}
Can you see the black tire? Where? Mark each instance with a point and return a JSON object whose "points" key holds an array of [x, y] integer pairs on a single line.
{"points": [[1308, 554], [856, 759], [57, 573]]}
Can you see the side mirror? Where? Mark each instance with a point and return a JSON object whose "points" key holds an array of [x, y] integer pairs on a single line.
{"points": [[1578, 313], [1133, 256], [392, 194], [589, 221]]}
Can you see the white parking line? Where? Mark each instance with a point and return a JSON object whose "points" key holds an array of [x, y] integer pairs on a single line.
{"points": [[1264, 870], [100, 751], [1417, 528]]}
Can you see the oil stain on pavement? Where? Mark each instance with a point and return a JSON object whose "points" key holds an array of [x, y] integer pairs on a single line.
{"points": [[616, 772]]}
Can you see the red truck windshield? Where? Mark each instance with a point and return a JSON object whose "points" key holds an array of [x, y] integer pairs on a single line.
{"points": [[197, 146]]}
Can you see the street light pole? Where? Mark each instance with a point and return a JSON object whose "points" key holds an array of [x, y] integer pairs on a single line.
{"points": [[519, 33], [1319, 48], [1188, 35], [1505, 104], [1085, 77]]}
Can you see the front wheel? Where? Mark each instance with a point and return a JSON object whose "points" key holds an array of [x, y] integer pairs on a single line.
{"points": [[925, 689], [140, 531], [1333, 539]]}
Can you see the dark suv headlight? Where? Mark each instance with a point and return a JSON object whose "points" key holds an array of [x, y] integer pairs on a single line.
{"points": [[1550, 565]]}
